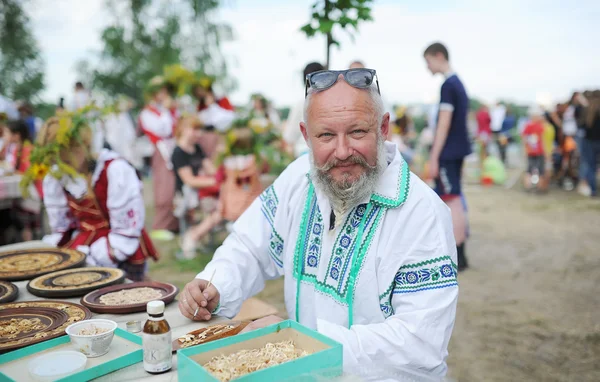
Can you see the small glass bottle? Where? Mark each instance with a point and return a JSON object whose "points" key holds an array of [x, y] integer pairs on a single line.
{"points": [[156, 340]]}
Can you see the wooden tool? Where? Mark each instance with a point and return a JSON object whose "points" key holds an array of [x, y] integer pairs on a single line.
{"points": [[211, 333]]}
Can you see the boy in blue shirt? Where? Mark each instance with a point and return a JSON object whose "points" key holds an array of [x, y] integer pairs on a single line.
{"points": [[451, 143]]}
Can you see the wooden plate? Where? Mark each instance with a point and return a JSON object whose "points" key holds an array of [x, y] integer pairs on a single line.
{"points": [[8, 292], [29, 263], [208, 334], [74, 282], [74, 312], [92, 299], [39, 320]]}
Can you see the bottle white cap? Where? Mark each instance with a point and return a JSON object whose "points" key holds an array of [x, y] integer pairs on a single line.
{"points": [[155, 307]]}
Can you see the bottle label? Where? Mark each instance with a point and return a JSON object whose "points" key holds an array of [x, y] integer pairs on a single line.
{"points": [[157, 352]]}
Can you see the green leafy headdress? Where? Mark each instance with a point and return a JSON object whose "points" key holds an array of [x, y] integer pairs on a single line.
{"points": [[46, 156]]}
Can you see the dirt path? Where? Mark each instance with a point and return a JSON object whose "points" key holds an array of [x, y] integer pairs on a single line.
{"points": [[529, 306]]}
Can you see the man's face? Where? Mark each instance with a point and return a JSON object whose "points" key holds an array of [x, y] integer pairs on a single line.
{"points": [[433, 63], [342, 131]]}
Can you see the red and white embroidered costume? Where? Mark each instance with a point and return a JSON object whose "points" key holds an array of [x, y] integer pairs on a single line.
{"points": [[105, 220]]}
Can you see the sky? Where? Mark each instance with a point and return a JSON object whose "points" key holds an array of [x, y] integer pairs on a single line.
{"points": [[527, 51]]}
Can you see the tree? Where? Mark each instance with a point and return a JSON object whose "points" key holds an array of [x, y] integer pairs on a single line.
{"points": [[147, 35], [21, 65], [327, 14]]}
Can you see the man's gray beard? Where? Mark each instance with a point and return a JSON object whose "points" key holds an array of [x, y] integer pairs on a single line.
{"points": [[346, 194]]}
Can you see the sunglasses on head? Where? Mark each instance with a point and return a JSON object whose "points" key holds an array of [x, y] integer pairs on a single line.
{"points": [[324, 79]]}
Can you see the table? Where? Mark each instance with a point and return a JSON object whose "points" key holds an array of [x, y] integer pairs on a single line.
{"points": [[180, 325], [9, 190]]}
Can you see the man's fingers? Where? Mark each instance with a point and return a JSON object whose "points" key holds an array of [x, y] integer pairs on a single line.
{"points": [[196, 295], [210, 293], [184, 309], [188, 303]]}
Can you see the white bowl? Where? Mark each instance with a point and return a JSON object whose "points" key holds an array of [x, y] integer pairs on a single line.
{"points": [[92, 345], [56, 365]]}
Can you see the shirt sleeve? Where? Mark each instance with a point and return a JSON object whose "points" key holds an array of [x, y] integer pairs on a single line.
{"points": [[447, 98], [159, 125], [60, 219], [126, 211], [418, 297], [253, 252]]}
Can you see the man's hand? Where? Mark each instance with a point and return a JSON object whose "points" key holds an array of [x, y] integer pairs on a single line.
{"points": [[261, 323], [195, 295], [434, 168]]}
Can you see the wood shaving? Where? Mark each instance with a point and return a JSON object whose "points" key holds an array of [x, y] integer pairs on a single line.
{"points": [[235, 365], [130, 296], [203, 336], [20, 325], [92, 331]]}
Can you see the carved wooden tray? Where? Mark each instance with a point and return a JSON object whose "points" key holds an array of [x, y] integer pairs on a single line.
{"points": [[75, 282], [55, 315], [93, 299], [8, 292], [29, 263], [208, 334]]}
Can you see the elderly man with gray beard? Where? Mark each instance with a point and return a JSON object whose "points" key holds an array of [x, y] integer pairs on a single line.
{"points": [[366, 249]]}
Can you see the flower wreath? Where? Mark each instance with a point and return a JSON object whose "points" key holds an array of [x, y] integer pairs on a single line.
{"points": [[45, 158]]}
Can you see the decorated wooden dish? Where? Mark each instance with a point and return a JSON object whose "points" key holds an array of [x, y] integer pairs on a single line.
{"points": [[26, 323], [129, 298], [8, 292], [208, 334], [75, 282], [29, 263]]}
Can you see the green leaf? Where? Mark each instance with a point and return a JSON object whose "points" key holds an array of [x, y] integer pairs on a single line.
{"points": [[325, 26]]}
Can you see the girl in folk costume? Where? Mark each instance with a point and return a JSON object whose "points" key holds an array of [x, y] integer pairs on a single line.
{"points": [[17, 152], [215, 113], [157, 121], [94, 204]]}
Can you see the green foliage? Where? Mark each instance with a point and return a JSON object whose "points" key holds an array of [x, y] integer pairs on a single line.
{"points": [[345, 14], [21, 64], [475, 104], [44, 110], [147, 35], [420, 122]]}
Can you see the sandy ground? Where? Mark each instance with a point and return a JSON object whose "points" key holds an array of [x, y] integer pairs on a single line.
{"points": [[529, 306]]}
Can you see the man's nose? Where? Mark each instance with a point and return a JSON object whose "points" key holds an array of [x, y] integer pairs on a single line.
{"points": [[343, 150]]}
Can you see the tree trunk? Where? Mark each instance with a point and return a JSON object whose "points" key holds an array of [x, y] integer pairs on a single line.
{"points": [[329, 38]]}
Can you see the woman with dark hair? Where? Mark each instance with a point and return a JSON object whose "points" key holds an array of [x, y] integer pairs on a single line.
{"points": [[26, 212]]}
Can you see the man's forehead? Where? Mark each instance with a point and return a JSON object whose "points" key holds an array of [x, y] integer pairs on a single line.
{"points": [[341, 97]]}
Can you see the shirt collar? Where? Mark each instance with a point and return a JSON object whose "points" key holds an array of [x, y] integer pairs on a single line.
{"points": [[449, 73], [394, 184]]}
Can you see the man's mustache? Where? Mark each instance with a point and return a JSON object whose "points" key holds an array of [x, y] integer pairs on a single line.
{"points": [[354, 159]]}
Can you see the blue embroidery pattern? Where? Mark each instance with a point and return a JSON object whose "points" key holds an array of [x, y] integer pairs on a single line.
{"points": [[432, 274], [385, 302], [269, 203], [436, 273], [314, 242], [339, 263]]}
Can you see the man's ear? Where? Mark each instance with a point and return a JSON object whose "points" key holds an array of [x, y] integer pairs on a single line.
{"points": [[385, 124], [304, 132]]}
